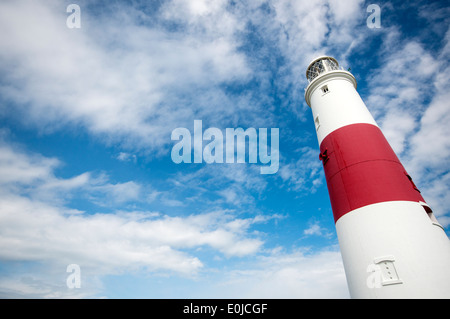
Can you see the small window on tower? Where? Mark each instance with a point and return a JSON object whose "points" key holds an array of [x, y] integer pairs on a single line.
{"points": [[317, 122], [325, 89]]}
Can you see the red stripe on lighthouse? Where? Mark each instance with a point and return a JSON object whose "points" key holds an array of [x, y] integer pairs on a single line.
{"points": [[362, 169]]}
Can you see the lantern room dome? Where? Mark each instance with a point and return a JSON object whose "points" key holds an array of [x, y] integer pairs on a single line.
{"points": [[321, 65]]}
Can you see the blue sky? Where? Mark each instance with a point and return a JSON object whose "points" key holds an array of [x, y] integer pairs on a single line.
{"points": [[86, 116]]}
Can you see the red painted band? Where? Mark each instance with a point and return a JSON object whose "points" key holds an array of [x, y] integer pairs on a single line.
{"points": [[362, 169]]}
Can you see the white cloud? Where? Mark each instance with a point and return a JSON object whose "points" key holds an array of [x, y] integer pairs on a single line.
{"points": [[345, 15], [131, 84], [401, 85], [127, 93], [236, 185], [397, 126], [105, 244], [229, 194], [306, 173], [36, 227], [117, 193], [127, 157], [316, 230], [32, 175], [287, 275], [432, 137], [33, 231], [400, 90], [430, 145], [19, 168], [36, 285]]}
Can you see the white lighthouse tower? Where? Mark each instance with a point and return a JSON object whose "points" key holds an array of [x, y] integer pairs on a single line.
{"points": [[392, 245]]}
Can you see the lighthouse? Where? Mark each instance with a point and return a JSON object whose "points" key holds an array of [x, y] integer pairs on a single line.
{"points": [[392, 246]]}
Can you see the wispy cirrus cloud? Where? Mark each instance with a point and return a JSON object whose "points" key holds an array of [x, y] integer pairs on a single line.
{"points": [[131, 76], [124, 83], [408, 99]]}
